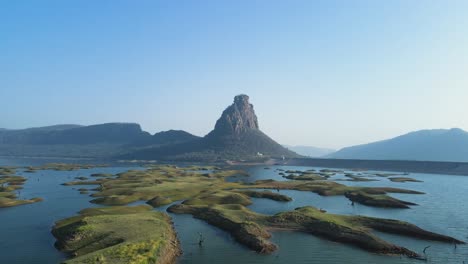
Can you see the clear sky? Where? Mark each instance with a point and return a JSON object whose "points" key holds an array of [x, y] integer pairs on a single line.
{"points": [[322, 73]]}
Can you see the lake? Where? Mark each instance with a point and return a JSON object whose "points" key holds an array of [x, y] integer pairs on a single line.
{"points": [[26, 238]]}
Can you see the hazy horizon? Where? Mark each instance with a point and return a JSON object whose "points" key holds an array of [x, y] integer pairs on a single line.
{"points": [[327, 74]]}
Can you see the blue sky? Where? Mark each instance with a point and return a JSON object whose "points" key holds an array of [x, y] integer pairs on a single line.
{"points": [[322, 73]]}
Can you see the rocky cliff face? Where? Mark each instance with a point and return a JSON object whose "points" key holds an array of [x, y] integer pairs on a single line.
{"points": [[236, 136], [237, 118]]}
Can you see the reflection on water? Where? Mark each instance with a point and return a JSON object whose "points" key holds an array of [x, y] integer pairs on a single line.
{"points": [[26, 238]]}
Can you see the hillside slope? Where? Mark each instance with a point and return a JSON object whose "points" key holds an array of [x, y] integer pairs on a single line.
{"points": [[423, 145], [236, 136]]}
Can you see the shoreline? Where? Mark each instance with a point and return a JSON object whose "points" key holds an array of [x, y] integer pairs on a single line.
{"points": [[430, 167], [403, 166]]}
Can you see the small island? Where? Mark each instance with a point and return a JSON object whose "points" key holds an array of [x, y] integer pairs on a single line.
{"points": [[9, 186], [403, 179], [119, 234], [208, 196]]}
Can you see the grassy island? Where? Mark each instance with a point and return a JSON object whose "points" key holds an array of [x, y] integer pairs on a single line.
{"points": [[162, 185], [206, 195], [7, 170], [8, 188], [64, 167], [357, 178], [306, 177], [403, 179], [120, 234], [377, 200], [330, 188], [252, 229]]}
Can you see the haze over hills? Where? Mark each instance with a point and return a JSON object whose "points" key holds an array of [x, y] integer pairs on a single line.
{"points": [[310, 151], [423, 145]]}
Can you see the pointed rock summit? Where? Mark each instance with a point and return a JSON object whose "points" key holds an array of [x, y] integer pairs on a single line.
{"points": [[238, 117], [236, 136]]}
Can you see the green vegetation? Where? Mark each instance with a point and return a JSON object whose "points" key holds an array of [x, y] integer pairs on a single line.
{"points": [[386, 174], [330, 188], [66, 166], [403, 179], [163, 184], [219, 197], [159, 185], [207, 196], [96, 182], [357, 178], [83, 191], [267, 195], [294, 171], [240, 222], [30, 170], [377, 200], [7, 170], [251, 229], [306, 177], [120, 234], [331, 171], [101, 175], [8, 186]]}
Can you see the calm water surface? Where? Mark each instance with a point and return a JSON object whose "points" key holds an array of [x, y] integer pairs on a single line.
{"points": [[25, 230]]}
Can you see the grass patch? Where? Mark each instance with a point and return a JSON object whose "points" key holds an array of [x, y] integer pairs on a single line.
{"points": [[267, 195], [118, 234], [8, 186], [66, 167], [403, 179], [251, 229]]}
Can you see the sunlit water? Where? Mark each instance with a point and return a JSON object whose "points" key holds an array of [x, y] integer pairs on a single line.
{"points": [[25, 230]]}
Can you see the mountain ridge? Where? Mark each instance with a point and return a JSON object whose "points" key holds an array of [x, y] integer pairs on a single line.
{"points": [[93, 141], [421, 145], [236, 135]]}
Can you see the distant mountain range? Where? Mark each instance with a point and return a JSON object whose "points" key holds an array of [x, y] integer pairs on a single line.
{"points": [[309, 151], [103, 140], [423, 145], [236, 136], [74, 134]]}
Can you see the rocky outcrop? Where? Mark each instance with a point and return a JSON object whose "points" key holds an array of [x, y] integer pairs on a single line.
{"points": [[237, 118], [236, 136]]}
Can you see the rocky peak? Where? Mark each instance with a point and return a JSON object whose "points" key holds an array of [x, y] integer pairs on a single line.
{"points": [[238, 117]]}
